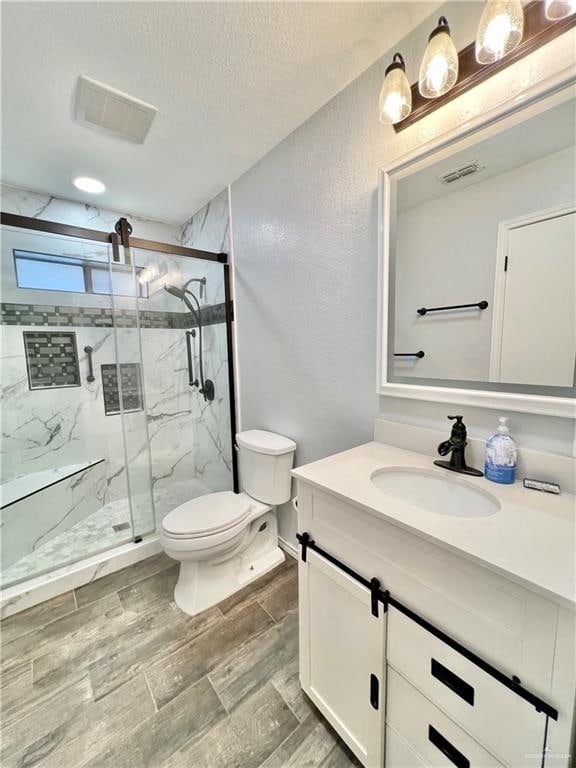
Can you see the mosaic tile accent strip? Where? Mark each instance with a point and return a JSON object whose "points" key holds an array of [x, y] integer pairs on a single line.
{"points": [[93, 317], [130, 384], [51, 359]]}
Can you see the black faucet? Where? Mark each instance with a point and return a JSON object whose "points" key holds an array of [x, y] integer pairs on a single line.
{"points": [[456, 446]]}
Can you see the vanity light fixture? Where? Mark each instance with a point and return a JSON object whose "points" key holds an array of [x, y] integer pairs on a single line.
{"points": [[86, 184], [560, 9], [500, 30], [507, 32], [439, 67], [395, 101]]}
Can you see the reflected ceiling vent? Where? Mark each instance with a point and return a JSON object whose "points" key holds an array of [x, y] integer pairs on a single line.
{"points": [[112, 112], [460, 173]]}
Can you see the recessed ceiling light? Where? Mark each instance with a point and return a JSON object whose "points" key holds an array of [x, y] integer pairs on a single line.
{"points": [[86, 184]]}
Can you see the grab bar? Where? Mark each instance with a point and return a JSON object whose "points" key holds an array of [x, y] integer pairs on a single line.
{"points": [[424, 310], [419, 354], [90, 378], [191, 380]]}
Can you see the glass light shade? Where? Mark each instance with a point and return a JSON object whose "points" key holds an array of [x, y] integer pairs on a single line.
{"points": [[500, 30], [439, 67], [559, 9], [395, 101]]}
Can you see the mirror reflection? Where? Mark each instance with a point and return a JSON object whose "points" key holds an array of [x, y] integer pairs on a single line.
{"points": [[483, 262]]}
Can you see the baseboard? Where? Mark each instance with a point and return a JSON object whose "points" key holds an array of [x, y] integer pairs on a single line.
{"points": [[29, 593], [288, 547]]}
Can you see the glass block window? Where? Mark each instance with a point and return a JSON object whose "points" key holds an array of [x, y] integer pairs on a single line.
{"points": [[51, 359], [130, 385], [49, 272]]}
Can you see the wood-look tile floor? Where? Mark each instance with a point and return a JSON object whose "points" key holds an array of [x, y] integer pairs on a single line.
{"points": [[113, 674]]}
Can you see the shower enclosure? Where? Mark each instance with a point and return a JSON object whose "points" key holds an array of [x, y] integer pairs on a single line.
{"points": [[117, 384]]}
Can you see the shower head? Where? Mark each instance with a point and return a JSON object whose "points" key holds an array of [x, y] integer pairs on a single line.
{"points": [[174, 291], [181, 292]]}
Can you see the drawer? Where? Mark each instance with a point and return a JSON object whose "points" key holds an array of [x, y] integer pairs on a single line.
{"points": [[499, 719], [421, 732]]}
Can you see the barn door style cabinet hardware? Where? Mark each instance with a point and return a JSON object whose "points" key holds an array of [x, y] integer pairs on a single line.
{"points": [[419, 657], [476, 305]]}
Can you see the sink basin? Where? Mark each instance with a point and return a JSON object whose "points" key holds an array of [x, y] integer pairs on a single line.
{"points": [[432, 492]]}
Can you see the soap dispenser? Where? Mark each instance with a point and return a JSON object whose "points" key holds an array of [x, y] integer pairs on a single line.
{"points": [[501, 455]]}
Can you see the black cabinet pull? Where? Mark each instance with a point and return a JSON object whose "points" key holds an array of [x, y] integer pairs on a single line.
{"points": [[90, 377], [447, 749], [374, 691], [452, 681]]}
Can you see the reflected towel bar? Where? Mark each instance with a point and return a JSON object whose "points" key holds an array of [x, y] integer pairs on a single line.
{"points": [[409, 354], [424, 310]]}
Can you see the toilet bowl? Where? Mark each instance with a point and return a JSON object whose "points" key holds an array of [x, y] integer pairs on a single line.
{"points": [[224, 540]]}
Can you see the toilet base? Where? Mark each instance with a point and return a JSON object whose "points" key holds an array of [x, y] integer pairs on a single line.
{"points": [[203, 584]]}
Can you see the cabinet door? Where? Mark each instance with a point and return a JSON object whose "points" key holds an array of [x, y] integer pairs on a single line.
{"points": [[342, 656]]}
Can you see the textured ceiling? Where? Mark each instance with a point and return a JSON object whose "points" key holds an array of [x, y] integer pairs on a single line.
{"points": [[230, 81]]}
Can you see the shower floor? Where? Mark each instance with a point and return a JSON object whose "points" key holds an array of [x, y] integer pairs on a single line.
{"points": [[104, 529]]}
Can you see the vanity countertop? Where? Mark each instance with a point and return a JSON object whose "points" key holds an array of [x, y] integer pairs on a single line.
{"points": [[532, 539]]}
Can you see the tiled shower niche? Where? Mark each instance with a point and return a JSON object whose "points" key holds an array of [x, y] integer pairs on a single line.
{"points": [[51, 359], [130, 385]]}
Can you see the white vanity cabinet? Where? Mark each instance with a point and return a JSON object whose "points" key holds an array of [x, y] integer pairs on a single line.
{"points": [[342, 655], [401, 696]]}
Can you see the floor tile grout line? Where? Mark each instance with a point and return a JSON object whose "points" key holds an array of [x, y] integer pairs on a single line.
{"points": [[267, 612], [150, 690], [225, 708], [286, 702]]}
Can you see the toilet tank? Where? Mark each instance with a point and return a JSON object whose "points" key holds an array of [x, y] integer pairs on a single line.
{"points": [[265, 461]]}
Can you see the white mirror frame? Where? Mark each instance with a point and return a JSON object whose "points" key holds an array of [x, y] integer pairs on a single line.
{"points": [[502, 117]]}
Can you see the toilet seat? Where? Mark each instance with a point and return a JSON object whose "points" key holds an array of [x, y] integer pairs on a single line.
{"points": [[205, 516]]}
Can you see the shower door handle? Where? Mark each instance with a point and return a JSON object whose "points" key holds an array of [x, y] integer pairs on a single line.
{"points": [[90, 378], [191, 380]]}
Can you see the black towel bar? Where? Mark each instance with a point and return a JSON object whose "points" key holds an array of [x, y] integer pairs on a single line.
{"points": [[424, 310]]}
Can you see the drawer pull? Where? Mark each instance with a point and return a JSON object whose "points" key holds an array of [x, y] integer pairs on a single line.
{"points": [[374, 691], [447, 749], [452, 681]]}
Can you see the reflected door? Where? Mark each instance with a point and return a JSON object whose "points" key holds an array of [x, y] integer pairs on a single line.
{"points": [[535, 317]]}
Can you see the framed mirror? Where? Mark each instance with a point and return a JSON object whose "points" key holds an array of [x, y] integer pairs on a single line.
{"points": [[478, 288]]}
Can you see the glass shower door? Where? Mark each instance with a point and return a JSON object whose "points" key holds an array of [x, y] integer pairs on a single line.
{"points": [[185, 366], [75, 473]]}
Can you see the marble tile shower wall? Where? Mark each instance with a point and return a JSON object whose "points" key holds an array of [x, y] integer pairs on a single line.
{"points": [[188, 440]]}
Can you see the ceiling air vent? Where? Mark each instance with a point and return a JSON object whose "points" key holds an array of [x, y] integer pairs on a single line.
{"points": [[460, 173], [111, 111]]}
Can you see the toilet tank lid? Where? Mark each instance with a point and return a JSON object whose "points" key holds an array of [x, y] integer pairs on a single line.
{"points": [[265, 442]]}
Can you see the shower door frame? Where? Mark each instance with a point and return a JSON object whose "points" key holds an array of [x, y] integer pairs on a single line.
{"points": [[121, 237]]}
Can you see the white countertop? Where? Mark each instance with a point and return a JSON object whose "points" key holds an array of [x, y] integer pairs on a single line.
{"points": [[531, 539]]}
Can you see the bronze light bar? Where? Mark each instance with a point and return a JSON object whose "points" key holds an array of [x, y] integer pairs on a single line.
{"points": [[538, 30]]}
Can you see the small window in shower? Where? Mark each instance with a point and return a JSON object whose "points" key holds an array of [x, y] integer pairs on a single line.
{"points": [[51, 359], [130, 385], [48, 272]]}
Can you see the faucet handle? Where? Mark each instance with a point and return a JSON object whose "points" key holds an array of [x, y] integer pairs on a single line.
{"points": [[458, 418]]}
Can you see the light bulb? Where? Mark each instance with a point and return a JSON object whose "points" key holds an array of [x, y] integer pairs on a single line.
{"points": [[559, 9], [500, 30], [395, 101], [439, 67]]}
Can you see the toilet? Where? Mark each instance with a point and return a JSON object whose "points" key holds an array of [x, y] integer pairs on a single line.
{"points": [[225, 540]]}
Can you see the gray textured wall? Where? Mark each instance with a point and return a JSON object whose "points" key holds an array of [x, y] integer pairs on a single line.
{"points": [[304, 229]]}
